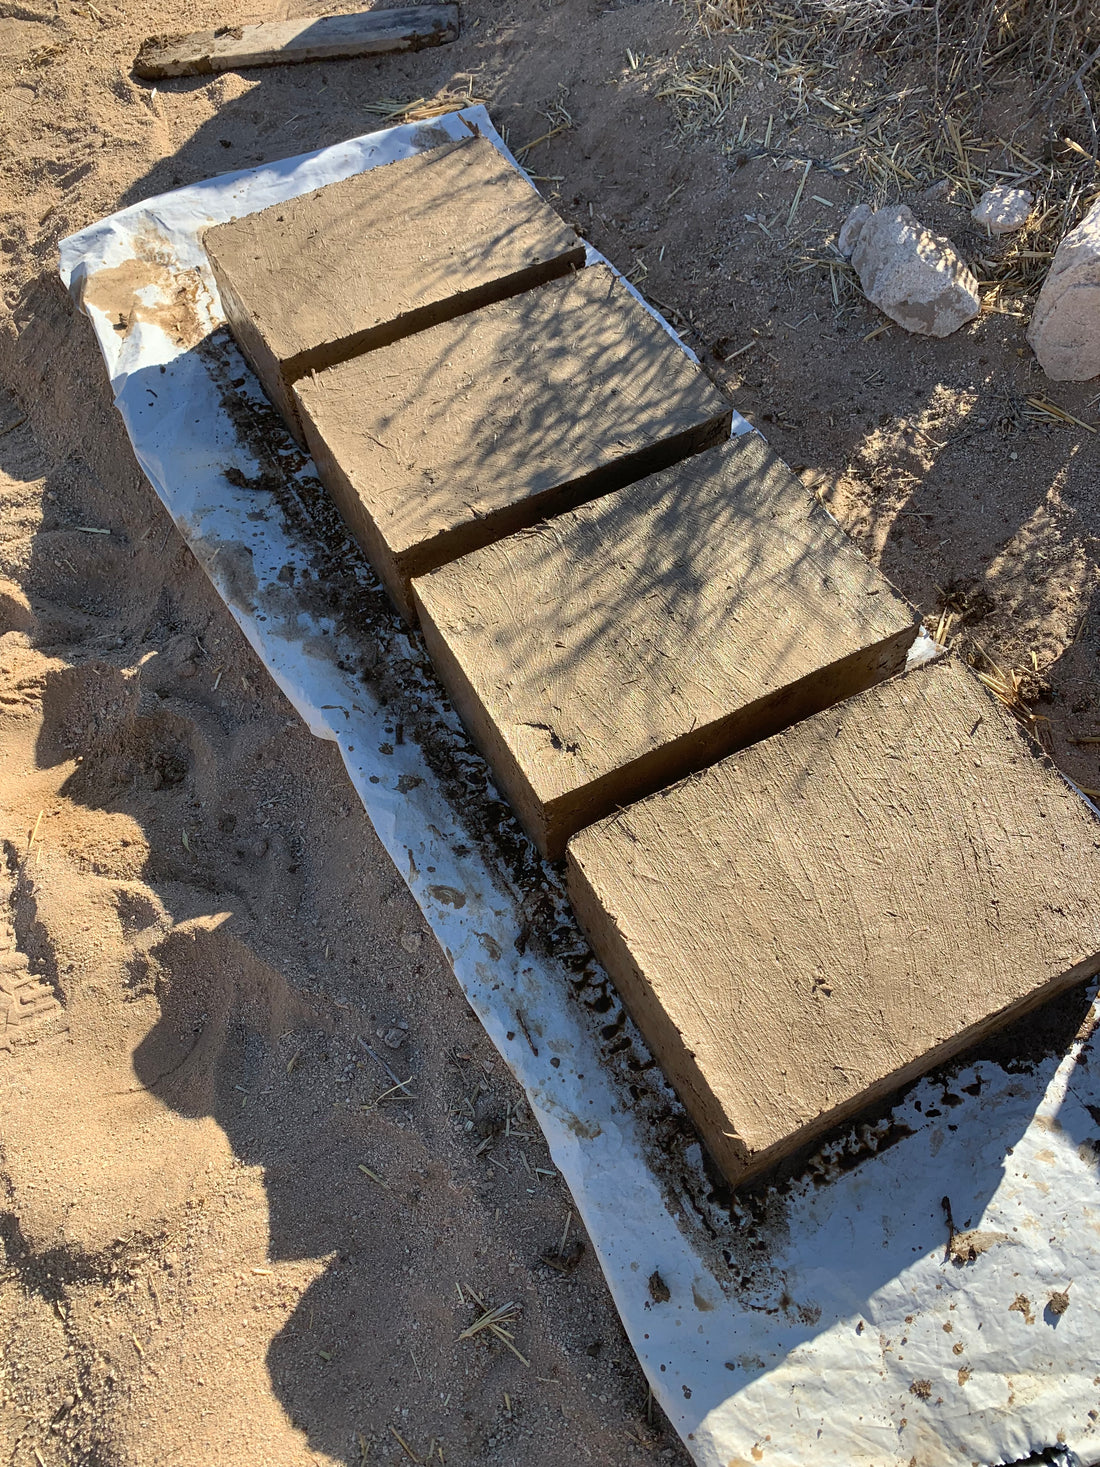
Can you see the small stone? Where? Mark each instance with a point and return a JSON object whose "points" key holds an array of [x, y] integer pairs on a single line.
{"points": [[1065, 328], [851, 228], [941, 189], [1003, 210], [394, 1038], [915, 277]]}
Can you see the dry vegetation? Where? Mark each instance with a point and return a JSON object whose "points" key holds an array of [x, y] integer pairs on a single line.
{"points": [[905, 90]]}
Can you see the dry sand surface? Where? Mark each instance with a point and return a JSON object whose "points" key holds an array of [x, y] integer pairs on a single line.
{"points": [[200, 923]]}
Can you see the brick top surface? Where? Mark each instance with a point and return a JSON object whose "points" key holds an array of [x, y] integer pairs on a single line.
{"points": [[848, 901], [443, 428], [613, 629], [356, 254]]}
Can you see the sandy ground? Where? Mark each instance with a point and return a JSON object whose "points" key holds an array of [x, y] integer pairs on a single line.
{"points": [[199, 925]]}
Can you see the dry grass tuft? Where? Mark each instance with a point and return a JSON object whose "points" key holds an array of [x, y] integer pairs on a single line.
{"points": [[424, 108], [1012, 689], [492, 1321], [968, 43], [914, 93]]}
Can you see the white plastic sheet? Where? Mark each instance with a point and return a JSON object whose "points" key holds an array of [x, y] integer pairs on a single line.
{"points": [[828, 1324]]}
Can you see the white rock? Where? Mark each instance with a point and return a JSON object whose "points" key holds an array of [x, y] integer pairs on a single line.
{"points": [[1003, 210], [915, 277], [850, 229], [1065, 327]]}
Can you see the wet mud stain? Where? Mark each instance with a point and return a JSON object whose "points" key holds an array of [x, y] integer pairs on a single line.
{"points": [[149, 289]]}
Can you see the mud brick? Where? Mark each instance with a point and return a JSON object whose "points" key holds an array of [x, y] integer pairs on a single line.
{"points": [[820, 919], [447, 440], [616, 648], [359, 263]]}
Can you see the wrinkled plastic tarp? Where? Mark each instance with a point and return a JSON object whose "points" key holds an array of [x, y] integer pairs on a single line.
{"points": [[829, 1326]]}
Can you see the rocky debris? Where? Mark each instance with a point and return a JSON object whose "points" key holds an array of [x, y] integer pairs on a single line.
{"points": [[1003, 210], [1065, 328], [969, 1246], [1058, 1303], [566, 1260], [490, 1117], [393, 1036], [915, 277]]}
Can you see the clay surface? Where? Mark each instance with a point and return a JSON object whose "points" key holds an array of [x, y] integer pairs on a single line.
{"points": [[821, 918], [451, 438], [604, 653], [360, 263]]}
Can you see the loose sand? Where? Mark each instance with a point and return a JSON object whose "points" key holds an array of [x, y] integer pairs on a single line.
{"points": [[182, 1254]]}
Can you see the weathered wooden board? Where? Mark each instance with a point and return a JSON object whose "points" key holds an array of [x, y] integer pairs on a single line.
{"points": [[459, 435], [313, 38], [823, 917], [611, 650], [360, 263]]}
